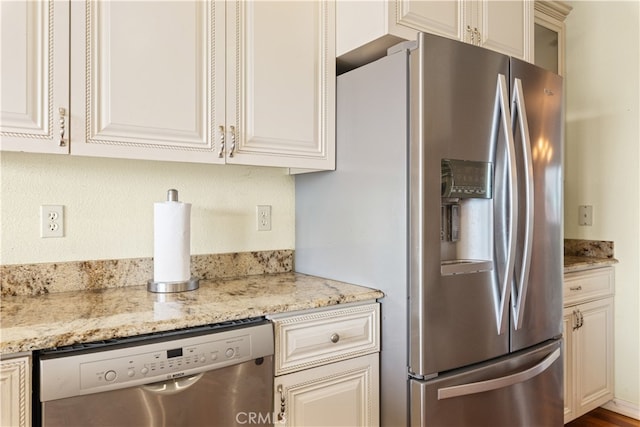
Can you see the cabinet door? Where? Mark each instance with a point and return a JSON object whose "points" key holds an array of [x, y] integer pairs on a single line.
{"points": [[594, 355], [568, 323], [338, 394], [504, 26], [34, 76], [281, 83], [439, 17], [148, 79], [549, 39], [15, 389]]}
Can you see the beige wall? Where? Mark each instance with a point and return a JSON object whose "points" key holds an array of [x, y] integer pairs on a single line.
{"points": [[603, 156], [109, 206]]}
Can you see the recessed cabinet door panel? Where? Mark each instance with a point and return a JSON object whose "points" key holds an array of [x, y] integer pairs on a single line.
{"points": [[341, 394], [34, 76], [145, 83], [281, 83], [594, 375]]}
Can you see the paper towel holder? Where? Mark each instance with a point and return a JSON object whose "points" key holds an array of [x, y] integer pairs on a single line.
{"points": [[167, 287], [177, 286]]}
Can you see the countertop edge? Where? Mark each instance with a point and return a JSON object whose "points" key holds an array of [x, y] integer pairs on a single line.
{"points": [[581, 263], [263, 295]]}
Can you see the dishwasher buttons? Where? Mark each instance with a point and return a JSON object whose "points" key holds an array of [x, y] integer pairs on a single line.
{"points": [[144, 370], [131, 372], [110, 376], [229, 353]]}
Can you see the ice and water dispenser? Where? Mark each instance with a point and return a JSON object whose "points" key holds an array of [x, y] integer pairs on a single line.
{"points": [[466, 227]]}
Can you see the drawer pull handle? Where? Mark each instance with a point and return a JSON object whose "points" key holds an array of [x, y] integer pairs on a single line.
{"points": [[575, 288], [335, 338], [282, 415]]}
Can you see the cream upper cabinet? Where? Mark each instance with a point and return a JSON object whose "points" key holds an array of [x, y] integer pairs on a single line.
{"points": [[549, 34], [503, 26], [366, 29], [250, 82], [281, 83], [34, 76], [147, 79]]}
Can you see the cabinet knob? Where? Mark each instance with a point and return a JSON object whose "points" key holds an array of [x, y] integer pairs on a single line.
{"points": [[335, 338], [575, 288]]}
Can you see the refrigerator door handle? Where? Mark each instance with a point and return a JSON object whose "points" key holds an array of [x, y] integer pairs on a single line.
{"points": [[520, 293], [502, 113], [496, 383]]}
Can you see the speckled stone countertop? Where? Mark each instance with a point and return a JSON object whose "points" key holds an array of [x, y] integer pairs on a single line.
{"points": [[586, 254], [56, 319]]}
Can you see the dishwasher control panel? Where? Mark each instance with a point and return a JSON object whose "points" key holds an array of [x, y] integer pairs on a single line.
{"points": [[165, 364], [111, 368]]}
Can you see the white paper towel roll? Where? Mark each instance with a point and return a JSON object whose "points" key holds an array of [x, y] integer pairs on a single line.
{"points": [[171, 241]]}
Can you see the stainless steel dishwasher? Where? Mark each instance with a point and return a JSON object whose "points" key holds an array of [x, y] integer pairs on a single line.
{"points": [[216, 375]]}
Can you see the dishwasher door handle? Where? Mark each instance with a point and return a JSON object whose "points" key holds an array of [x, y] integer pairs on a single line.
{"points": [[172, 386]]}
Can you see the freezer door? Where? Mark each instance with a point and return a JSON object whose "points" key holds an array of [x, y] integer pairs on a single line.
{"points": [[519, 390], [537, 288]]}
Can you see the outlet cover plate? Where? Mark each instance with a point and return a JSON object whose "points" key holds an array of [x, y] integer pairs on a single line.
{"points": [[585, 215], [263, 216], [51, 221]]}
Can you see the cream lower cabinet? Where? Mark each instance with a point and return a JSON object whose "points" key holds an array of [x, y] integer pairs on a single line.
{"points": [[327, 367], [589, 341], [366, 29], [15, 391]]}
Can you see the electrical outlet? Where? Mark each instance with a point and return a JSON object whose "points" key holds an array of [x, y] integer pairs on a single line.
{"points": [[51, 221], [263, 216]]}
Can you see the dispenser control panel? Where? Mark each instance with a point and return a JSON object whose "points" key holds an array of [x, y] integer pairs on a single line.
{"points": [[466, 179]]}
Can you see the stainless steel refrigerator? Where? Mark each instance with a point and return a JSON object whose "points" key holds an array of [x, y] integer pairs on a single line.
{"points": [[448, 197]]}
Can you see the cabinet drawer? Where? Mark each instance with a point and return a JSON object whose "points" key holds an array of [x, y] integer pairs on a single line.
{"points": [[586, 285], [307, 340]]}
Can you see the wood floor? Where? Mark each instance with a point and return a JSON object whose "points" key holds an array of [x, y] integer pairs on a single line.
{"points": [[600, 417]]}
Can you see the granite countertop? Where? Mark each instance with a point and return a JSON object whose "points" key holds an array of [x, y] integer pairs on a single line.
{"points": [[587, 254], [64, 318]]}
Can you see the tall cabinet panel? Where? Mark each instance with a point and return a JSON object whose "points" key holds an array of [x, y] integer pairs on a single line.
{"points": [[34, 76], [148, 79], [281, 53]]}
